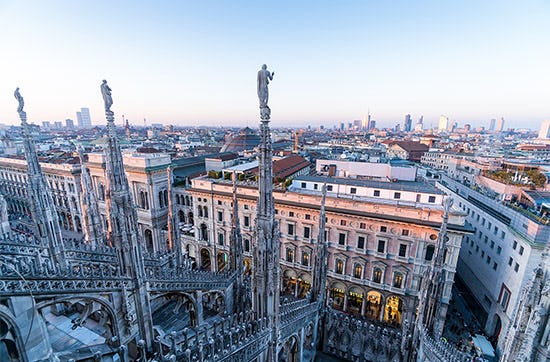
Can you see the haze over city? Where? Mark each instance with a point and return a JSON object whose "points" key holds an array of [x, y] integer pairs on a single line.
{"points": [[193, 63]]}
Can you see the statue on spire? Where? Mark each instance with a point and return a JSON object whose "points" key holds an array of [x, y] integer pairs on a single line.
{"points": [[20, 100], [264, 76], [106, 93]]}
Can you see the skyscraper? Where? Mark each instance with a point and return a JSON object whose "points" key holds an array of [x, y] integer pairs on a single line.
{"points": [[492, 124], [69, 123], [443, 123], [544, 132], [500, 124], [83, 118], [419, 125], [407, 124]]}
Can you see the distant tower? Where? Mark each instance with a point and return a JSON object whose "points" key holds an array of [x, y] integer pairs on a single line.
{"points": [[443, 123], [407, 123], [266, 269], [492, 124], [419, 125], [500, 125], [83, 118], [544, 132], [127, 130], [43, 209]]}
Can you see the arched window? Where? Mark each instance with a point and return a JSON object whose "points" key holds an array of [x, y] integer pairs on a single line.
{"points": [[358, 271], [339, 266], [204, 232], [161, 200], [165, 196], [246, 245], [200, 211], [205, 212], [398, 280], [377, 275]]}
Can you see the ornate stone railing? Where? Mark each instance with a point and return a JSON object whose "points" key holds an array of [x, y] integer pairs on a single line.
{"points": [[191, 280], [438, 351], [11, 287], [296, 315]]}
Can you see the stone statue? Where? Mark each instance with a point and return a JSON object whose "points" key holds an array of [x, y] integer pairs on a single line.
{"points": [[19, 99], [106, 93], [264, 76], [4, 220]]}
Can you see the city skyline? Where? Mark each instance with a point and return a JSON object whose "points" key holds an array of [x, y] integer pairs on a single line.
{"points": [[189, 63]]}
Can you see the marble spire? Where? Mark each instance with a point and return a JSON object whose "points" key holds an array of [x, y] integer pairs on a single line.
{"points": [[174, 241], [93, 229], [236, 259], [122, 222], [43, 209], [266, 268], [318, 290]]}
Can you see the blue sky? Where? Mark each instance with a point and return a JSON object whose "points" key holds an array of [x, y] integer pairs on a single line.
{"points": [[195, 62]]}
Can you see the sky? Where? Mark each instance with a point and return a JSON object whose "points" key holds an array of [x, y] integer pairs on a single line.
{"points": [[195, 62]]}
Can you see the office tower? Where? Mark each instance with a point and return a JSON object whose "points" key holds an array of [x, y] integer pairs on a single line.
{"points": [[372, 124], [500, 125], [443, 123], [407, 123], [544, 132], [83, 118], [492, 124], [467, 127], [342, 126], [419, 125], [357, 124], [69, 123], [46, 124]]}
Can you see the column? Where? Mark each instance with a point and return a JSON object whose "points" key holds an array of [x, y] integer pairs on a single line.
{"points": [[345, 308], [363, 305]]}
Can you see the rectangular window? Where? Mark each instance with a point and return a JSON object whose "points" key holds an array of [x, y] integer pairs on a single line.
{"points": [[220, 239], [515, 245], [397, 195], [495, 231], [405, 232], [291, 213], [521, 250], [315, 186], [499, 250], [247, 221], [219, 202], [306, 232], [502, 234], [418, 196], [360, 242], [303, 185], [495, 266], [431, 199], [342, 238], [220, 215], [483, 253], [362, 225], [343, 222], [290, 229], [510, 261], [329, 187], [489, 225], [381, 246], [376, 193], [488, 259], [353, 190], [504, 297], [383, 229], [245, 206], [402, 250], [308, 217], [492, 244], [516, 267]]}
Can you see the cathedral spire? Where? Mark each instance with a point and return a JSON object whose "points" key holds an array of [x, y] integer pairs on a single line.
{"points": [[93, 230], [174, 242], [43, 210], [266, 270], [431, 309], [321, 257], [236, 260]]}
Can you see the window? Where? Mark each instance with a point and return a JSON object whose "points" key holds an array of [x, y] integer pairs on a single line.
{"points": [[291, 213], [489, 225], [362, 225], [220, 239], [495, 266], [402, 250], [245, 206], [499, 250], [482, 221], [492, 244], [495, 231], [315, 186], [515, 245], [504, 297], [220, 215], [381, 246], [516, 267], [303, 185], [360, 242], [342, 238], [290, 229], [376, 193], [220, 202], [483, 253], [521, 250], [397, 195], [418, 196], [353, 190], [289, 255], [329, 187], [246, 245], [383, 229], [488, 259], [308, 217], [305, 258], [431, 199], [307, 231], [397, 280], [246, 221], [510, 261], [343, 222], [430, 250], [358, 271], [502, 234], [377, 275], [486, 239], [405, 232], [339, 266]]}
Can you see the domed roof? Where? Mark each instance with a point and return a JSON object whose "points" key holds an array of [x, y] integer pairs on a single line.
{"points": [[247, 139]]}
